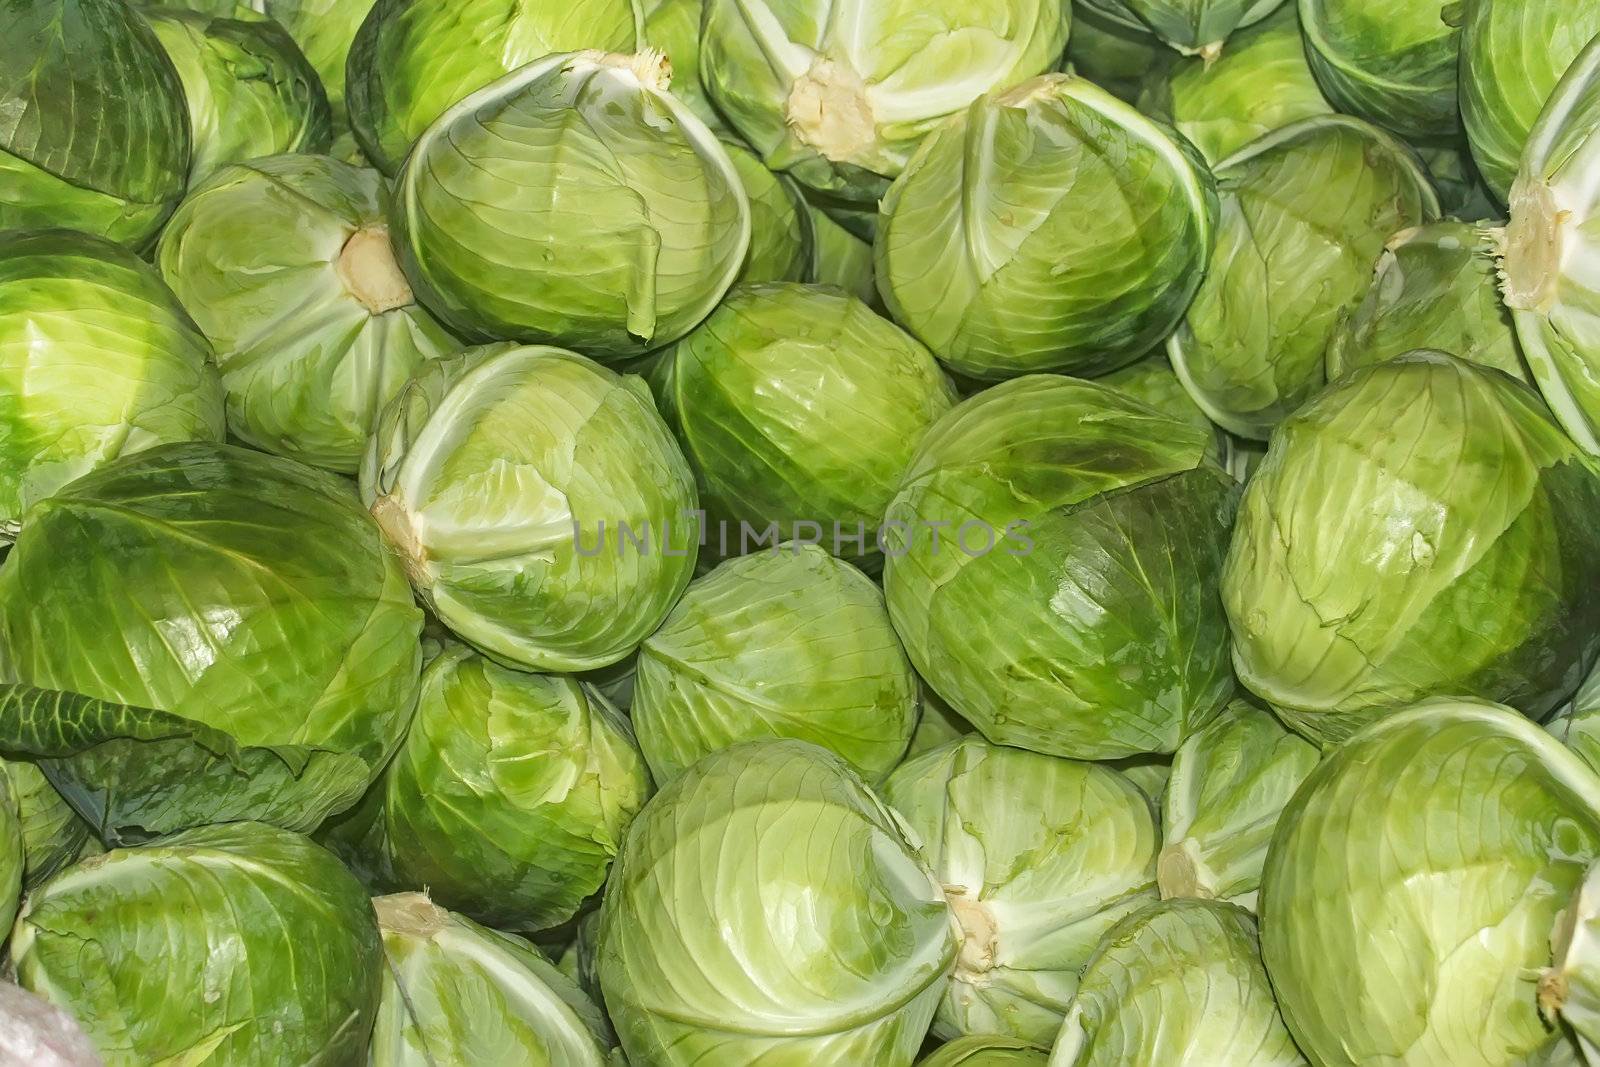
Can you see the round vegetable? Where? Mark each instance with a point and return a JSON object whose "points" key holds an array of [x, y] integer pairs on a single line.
{"points": [[1178, 983], [456, 992], [1038, 856], [285, 263], [1388, 511], [94, 131], [510, 796], [162, 950], [249, 602], [766, 906], [839, 93], [1461, 830], [1229, 782], [538, 503], [413, 59], [1051, 228], [573, 202], [1392, 62], [789, 642], [799, 409], [249, 89], [1053, 559], [1306, 210], [99, 360]]}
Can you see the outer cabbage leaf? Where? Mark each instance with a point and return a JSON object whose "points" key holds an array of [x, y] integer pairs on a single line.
{"points": [[1261, 82], [1039, 857], [767, 909], [985, 1050], [1392, 62], [1199, 27], [53, 835], [250, 91]]}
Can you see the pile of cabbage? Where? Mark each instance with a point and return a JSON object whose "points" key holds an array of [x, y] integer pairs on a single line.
{"points": [[800, 533]]}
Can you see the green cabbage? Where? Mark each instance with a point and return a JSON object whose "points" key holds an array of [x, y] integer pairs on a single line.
{"points": [[1389, 512], [1051, 228], [573, 202]]}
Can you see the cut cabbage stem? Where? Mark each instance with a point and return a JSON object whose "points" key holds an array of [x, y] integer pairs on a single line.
{"points": [[1530, 248], [370, 273], [829, 110]]}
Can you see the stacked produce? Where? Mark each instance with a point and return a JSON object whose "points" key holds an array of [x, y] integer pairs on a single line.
{"points": [[800, 533]]}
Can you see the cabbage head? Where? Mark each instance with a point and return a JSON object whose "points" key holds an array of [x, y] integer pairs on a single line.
{"points": [[573, 202], [1552, 251], [99, 361], [249, 89], [1460, 830], [788, 642], [1051, 228], [1180, 984], [94, 131], [1306, 210], [1392, 62], [510, 796], [985, 1050], [839, 92], [1039, 857], [538, 502], [1436, 286], [249, 651], [767, 908], [1053, 556], [1513, 52], [1229, 783], [285, 263], [799, 409], [458, 993], [1259, 83], [240, 944], [1388, 511], [412, 60]]}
